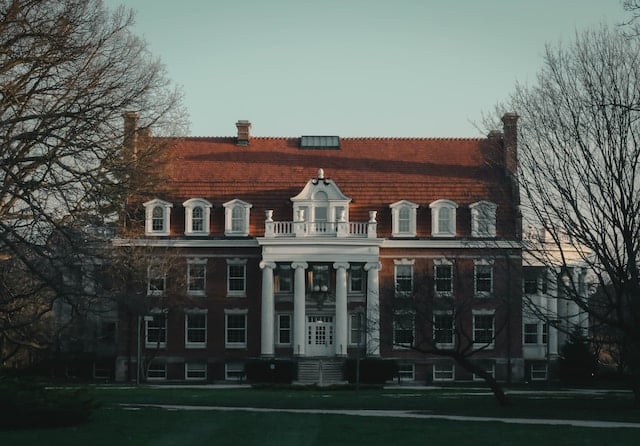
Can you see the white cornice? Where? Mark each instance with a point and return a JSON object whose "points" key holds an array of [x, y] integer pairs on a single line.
{"points": [[452, 243], [187, 243]]}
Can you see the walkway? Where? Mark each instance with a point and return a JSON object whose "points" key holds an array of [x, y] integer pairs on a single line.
{"points": [[400, 414]]}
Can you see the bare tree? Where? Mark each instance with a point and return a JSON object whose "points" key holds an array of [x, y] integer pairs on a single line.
{"points": [[579, 155], [69, 69]]}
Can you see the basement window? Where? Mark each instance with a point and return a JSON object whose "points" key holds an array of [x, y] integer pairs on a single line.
{"points": [[320, 142]]}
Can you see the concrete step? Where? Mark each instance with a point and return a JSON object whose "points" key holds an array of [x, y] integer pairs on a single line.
{"points": [[320, 371]]}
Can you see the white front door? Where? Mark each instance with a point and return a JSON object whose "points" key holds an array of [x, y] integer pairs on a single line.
{"points": [[320, 336]]}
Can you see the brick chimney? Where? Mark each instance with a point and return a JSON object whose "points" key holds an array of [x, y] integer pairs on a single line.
{"points": [[243, 133], [130, 141], [510, 129]]}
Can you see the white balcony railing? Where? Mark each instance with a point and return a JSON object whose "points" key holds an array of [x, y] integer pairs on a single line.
{"points": [[340, 229]]}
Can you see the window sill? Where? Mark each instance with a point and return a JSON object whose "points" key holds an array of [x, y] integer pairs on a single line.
{"points": [[236, 294], [236, 346], [196, 294], [155, 345], [478, 346], [194, 345]]}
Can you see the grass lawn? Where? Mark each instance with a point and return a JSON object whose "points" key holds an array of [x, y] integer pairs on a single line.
{"points": [[114, 425]]}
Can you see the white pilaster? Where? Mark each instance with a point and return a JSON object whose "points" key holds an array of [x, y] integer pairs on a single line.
{"points": [[299, 313], [372, 322], [342, 340], [267, 316], [552, 313]]}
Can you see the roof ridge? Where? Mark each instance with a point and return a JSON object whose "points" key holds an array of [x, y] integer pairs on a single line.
{"points": [[353, 138]]}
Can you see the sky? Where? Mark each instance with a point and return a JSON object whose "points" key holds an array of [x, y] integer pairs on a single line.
{"points": [[371, 68]]}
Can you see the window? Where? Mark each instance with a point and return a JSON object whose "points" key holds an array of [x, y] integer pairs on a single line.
{"points": [[483, 330], [283, 279], [403, 218], [403, 330], [234, 371], [319, 278], [356, 279], [483, 219], [404, 277], [406, 372], [236, 218], [235, 328], [530, 333], [156, 279], [490, 368], [197, 216], [196, 277], [443, 371], [443, 278], [443, 329], [483, 278], [156, 331], [195, 324], [443, 218], [236, 277], [284, 329], [157, 370], [157, 217], [538, 372], [530, 285], [356, 328], [196, 371]]}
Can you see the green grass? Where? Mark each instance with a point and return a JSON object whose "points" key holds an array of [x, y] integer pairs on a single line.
{"points": [[115, 424]]}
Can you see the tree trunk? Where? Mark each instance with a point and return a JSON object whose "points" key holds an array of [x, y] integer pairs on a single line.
{"points": [[495, 387]]}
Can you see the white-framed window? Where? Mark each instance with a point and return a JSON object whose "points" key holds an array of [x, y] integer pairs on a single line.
{"points": [[197, 214], [356, 279], [284, 329], [483, 329], [490, 368], [483, 278], [538, 371], [237, 277], [356, 328], [155, 330], [534, 333], [483, 219], [443, 277], [283, 279], [403, 218], [195, 327], [403, 329], [236, 217], [403, 275], [235, 328], [156, 278], [443, 329], [157, 370], [444, 371], [407, 371], [234, 371], [195, 371], [196, 277], [443, 218], [157, 217]]}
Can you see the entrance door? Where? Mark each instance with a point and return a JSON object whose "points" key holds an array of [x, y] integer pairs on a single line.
{"points": [[320, 336]]}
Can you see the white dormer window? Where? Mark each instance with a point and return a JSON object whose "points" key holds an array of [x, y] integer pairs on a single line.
{"points": [[197, 214], [236, 218], [403, 215], [483, 219], [157, 217], [443, 218]]}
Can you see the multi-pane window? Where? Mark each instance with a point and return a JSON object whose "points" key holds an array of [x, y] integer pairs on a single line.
{"points": [[197, 219], [538, 371], [196, 371], [483, 330], [196, 330], [157, 370], [483, 275], [236, 277], [237, 219], [406, 371], [157, 222], [156, 331], [404, 280], [490, 368], [403, 217], [443, 329], [234, 371], [443, 279], [531, 333], [196, 277], [197, 216], [282, 279], [157, 216], [443, 218], [284, 329], [236, 329], [403, 329], [356, 328], [156, 279], [483, 219], [356, 279], [443, 371]]}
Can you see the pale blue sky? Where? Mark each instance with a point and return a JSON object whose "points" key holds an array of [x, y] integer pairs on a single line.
{"points": [[354, 67]]}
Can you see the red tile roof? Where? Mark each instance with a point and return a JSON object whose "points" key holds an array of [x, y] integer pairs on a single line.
{"points": [[373, 172]]}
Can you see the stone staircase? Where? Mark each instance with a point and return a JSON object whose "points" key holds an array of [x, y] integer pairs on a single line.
{"points": [[320, 371]]}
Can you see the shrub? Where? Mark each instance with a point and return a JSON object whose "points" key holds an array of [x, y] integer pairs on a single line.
{"points": [[577, 364], [372, 370], [275, 371]]}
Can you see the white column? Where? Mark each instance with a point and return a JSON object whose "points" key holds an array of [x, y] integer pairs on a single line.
{"points": [[267, 316], [342, 340], [299, 314], [372, 323], [552, 312]]}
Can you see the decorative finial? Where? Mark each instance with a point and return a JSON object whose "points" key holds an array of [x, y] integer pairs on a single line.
{"points": [[321, 174]]}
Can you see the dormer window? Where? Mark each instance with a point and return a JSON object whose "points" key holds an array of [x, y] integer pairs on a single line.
{"points": [[443, 218], [483, 219], [197, 213], [157, 217], [236, 217], [403, 215]]}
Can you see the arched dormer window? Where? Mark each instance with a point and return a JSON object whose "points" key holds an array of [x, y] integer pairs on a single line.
{"points": [[236, 217], [157, 217], [197, 214], [483, 219], [443, 218], [403, 215]]}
